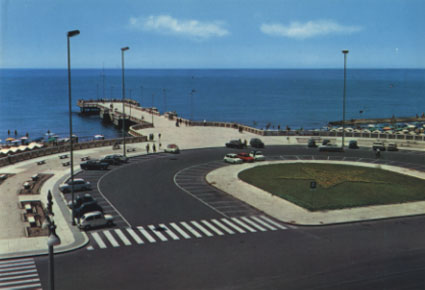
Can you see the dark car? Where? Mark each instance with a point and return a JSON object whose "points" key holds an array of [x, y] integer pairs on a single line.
{"points": [[235, 144], [87, 207], [378, 145], [353, 144], [114, 159], [392, 147], [94, 164], [256, 143], [326, 142], [330, 148], [311, 143], [80, 199]]}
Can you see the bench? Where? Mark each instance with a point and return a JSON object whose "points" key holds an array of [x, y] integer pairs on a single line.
{"points": [[131, 149], [3, 177], [85, 158], [32, 221], [66, 163], [28, 208], [35, 177], [27, 185], [63, 156], [41, 162]]}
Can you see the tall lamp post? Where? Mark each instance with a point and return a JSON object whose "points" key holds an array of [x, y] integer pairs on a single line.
{"points": [[52, 240], [69, 35], [345, 52], [123, 97]]}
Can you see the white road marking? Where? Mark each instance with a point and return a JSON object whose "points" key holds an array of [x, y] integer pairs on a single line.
{"points": [[146, 235], [157, 233], [98, 240], [254, 224], [252, 230], [202, 229], [27, 286], [111, 239], [17, 264], [169, 232], [90, 248], [135, 236], [17, 268], [9, 262], [273, 222], [191, 230], [18, 273], [122, 237], [213, 228], [18, 282], [263, 223], [180, 231], [18, 277], [223, 226], [233, 225]]}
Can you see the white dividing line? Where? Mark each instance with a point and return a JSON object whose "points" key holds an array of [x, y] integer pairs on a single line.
{"points": [[18, 282], [18, 273], [135, 236], [273, 222], [18, 277], [10, 262], [90, 248], [98, 240], [263, 223], [223, 226], [254, 224], [233, 225], [204, 230], [122, 237], [252, 230], [111, 239], [213, 228], [25, 286], [169, 232], [17, 264], [146, 235], [17, 268], [191, 230], [180, 231], [157, 233]]}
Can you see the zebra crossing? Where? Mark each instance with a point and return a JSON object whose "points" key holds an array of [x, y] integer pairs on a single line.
{"points": [[19, 274], [183, 230]]}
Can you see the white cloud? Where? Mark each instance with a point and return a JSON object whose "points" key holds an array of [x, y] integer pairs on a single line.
{"points": [[169, 25], [308, 29]]}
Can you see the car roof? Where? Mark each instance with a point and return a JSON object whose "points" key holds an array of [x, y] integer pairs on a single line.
{"points": [[92, 213], [78, 179]]}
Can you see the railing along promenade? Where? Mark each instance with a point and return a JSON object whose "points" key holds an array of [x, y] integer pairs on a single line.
{"points": [[52, 149]]}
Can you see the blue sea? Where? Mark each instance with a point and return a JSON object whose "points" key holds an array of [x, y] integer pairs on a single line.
{"points": [[34, 101]]}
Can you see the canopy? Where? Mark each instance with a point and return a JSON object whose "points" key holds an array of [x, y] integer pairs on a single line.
{"points": [[10, 139]]}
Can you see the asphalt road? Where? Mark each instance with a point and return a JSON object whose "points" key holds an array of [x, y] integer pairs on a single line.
{"points": [[386, 254]]}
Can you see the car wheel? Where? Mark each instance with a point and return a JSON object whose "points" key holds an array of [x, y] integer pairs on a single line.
{"points": [[87, 227]]}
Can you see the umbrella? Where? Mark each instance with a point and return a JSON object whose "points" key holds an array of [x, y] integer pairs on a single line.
{"points": [[386, 128], [10, 139], [24, 138]]}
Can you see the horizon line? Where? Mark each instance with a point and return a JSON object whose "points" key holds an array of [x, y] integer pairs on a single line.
{"points": [[207, 68]]}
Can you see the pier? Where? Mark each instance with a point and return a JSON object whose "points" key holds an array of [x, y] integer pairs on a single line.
{"points": [[392, 120]]}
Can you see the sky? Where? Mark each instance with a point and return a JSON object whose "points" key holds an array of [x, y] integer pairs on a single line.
{"points": [[213, 33]]}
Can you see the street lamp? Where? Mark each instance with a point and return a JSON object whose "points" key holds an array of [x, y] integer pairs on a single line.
{"points": [[69, 35], [123, 96], [345, 52], [191, 104], [152, 108], [52, 240]]}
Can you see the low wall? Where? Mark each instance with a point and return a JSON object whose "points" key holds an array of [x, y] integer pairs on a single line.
{"points": [[65, 148]]}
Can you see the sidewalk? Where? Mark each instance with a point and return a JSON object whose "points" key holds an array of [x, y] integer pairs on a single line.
{"points": [[14, 243]]}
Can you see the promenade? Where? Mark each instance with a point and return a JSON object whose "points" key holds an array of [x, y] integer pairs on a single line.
{"points": [[14, 243]]}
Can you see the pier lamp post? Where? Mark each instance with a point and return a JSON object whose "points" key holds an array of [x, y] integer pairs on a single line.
{"points": [[123, 97], [152, 109], [345, 52], [52, 240], [69, 35]]}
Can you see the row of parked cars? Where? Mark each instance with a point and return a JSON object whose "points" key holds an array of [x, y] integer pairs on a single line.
{"points": [[238, 158], [238, 144], [352, 144], [103, 163]]}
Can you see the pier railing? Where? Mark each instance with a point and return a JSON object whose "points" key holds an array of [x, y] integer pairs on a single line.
{"points": [[65, 148]]}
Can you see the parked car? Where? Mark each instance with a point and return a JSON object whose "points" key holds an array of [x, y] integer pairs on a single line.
{"points": [[311, 143], [256, 143], [257, 155], [172, 148], [378, 145], [114, 159], [232, 158], [87, 207], [79, 184], [80, 199], [330, 148], [245, 157], [353, 144], [326, 141], [392, 147], [235, 144], [94, 164], [95, 219]]}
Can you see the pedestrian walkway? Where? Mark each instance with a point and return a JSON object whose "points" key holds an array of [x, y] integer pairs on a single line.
{"points": [[19, 274], [183, 230]]}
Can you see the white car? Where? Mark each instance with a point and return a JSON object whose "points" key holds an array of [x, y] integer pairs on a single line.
{"points": [[95, 219], [232, 158], [79, 184], [257, 155], [172, 148]]}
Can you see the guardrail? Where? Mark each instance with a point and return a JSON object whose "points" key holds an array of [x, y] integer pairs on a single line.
{"points": [[65, 148]]}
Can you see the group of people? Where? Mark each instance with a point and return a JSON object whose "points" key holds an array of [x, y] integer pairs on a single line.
{"points": [[153, 144]]}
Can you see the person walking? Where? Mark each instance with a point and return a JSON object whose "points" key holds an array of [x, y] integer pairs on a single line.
{"points": [[378, 153], [154, 148], [147, 148]]}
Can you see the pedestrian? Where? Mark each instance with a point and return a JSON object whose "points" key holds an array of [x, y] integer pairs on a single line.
{"points": [[160, 146], [159, 136], [147, 148], [378, 153], [8, 132], [154, 148], [16, 133]]}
